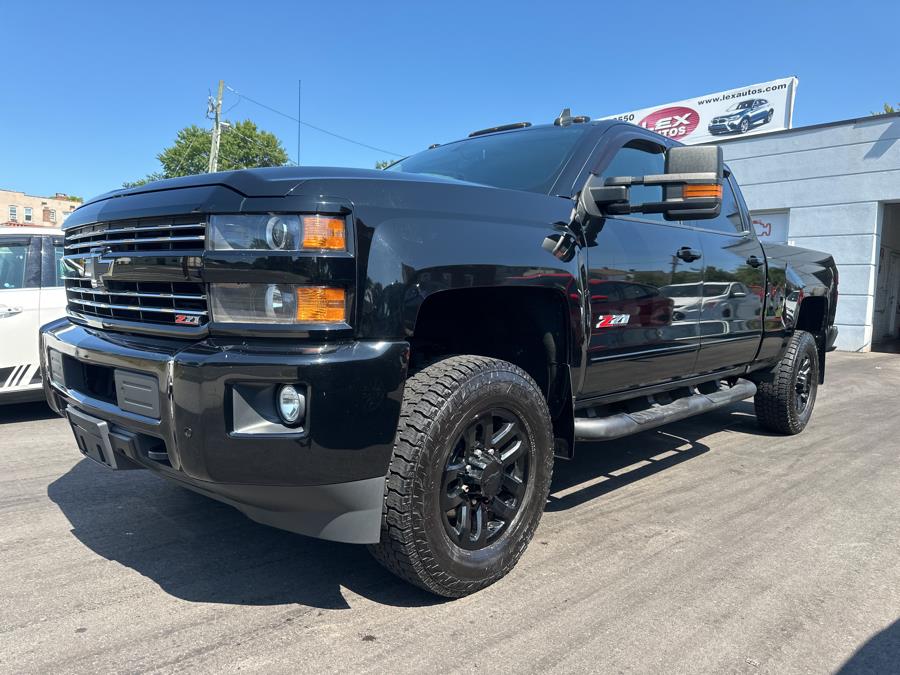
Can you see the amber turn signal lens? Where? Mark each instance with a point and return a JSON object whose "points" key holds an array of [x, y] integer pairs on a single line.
{"points": [[324, 232], [701, 191], [324, 305]]}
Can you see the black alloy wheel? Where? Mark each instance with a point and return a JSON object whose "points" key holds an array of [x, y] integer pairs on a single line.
{"points": [[468, 477], [785, 399], [803, 383], [484, 479]]}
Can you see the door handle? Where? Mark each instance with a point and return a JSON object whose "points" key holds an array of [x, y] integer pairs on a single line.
{"points": [[9, 311], [688, 254], [753, 261]]}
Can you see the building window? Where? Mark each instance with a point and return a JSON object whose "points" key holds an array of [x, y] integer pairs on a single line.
{"points": [[52, 215], [27, 214], [14, 214]]}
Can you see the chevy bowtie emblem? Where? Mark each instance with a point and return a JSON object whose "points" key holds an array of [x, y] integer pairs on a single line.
{"points": [[95, 267]]}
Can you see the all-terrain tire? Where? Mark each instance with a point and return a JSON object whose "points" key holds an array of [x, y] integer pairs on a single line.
{"points": [[439, 403], [779, 405]]}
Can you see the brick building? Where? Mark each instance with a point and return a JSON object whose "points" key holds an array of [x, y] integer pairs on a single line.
{"points": [[18, 208]]}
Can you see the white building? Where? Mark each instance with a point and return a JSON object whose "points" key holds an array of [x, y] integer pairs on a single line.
{"points": [[834, 187]]}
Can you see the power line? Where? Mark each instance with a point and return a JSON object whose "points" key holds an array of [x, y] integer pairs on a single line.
{"points": [[256, 141], [184, 155], [232, 106], [313, 126]]}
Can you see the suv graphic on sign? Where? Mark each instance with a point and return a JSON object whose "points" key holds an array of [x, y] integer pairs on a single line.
{"points": [[741, 116]]}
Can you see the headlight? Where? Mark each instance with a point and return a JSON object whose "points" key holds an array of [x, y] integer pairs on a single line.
{"points": [[276, 232], [277, 304]]}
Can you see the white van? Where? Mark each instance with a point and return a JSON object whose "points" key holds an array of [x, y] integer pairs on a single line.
{"points": [[31, 294]]}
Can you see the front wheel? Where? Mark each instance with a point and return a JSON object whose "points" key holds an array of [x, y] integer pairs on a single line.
{"points": [[469, 475], [745, 125], [785, 404]]}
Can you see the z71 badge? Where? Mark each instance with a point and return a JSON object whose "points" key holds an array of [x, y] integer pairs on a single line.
{"points": [[610, 320], [187, 319]]}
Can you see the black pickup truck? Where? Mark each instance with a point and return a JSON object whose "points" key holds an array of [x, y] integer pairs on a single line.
{"points": [[394, 358]]}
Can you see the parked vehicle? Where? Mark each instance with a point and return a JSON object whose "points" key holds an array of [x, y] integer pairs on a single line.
{"points": [[31, 294], [714, 302], [394, 358], [742, 116]]}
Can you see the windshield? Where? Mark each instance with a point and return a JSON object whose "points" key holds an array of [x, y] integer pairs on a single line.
{"points": [[682, 291], [712, 290], [743, 105], [529, 159]]}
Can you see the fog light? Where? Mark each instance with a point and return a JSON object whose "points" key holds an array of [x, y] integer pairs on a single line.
{"points": [[291, 404], [55, 361]]}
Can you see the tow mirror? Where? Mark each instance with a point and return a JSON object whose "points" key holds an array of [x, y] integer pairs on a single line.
{"points": [[692, 187]]}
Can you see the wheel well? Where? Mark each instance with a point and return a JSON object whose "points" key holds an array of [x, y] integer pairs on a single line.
{"points": [[811, 318], [525, 326]]}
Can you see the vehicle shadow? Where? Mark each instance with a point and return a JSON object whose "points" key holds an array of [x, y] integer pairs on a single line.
{"points": [[25, 412], [880, 654], [200, 550], [600, 468]]}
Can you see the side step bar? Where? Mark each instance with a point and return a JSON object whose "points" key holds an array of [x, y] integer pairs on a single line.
{"points": [[625, 424]]}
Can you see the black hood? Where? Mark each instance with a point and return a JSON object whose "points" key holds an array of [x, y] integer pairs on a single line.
{"points": [[271, 181]]}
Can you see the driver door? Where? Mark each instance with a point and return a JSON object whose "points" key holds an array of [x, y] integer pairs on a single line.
{"points": [[635, 267], [20, 305]]}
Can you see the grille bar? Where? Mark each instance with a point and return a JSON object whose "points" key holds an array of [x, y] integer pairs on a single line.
{"points": [[143, 240], [120, 230], [137, 308], [182, 233], [161, 304], [135, 294]]}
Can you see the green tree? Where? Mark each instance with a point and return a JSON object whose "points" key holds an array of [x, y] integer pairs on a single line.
{"points": [[888, 109], [383, 163], [242, 145]]}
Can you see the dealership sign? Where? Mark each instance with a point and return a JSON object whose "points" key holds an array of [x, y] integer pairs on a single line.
{"points": [[755, 109], [771, 227]]}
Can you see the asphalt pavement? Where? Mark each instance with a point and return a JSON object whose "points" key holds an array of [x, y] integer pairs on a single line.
{"points": [[705, 547]]}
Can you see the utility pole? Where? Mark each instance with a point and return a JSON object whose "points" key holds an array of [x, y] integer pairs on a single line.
{"points": [[299, 100], [216, 132]]}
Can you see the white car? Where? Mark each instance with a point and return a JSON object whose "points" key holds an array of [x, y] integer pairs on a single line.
{"points": [[31, 294]]}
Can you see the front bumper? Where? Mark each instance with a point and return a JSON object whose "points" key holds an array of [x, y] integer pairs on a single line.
{"points": [[724, 127], [325, 481]]}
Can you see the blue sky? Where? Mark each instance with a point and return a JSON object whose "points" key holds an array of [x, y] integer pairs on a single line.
{"points": [[93, 91]]}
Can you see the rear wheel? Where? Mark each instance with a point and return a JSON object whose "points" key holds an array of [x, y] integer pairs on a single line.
{"points": [[469, 475], [785, 404]]}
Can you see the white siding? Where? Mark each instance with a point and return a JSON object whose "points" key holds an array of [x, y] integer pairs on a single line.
{"points": [[833, 179]]}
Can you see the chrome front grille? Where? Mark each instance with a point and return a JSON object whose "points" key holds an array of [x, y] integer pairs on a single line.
{"points": [[101, 283], [158, 234], [179, 303]]}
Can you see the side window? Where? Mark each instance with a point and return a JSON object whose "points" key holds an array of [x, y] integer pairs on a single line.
{"points": [[14, 264], [640, 158], [729, 220], [58, 268]]}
